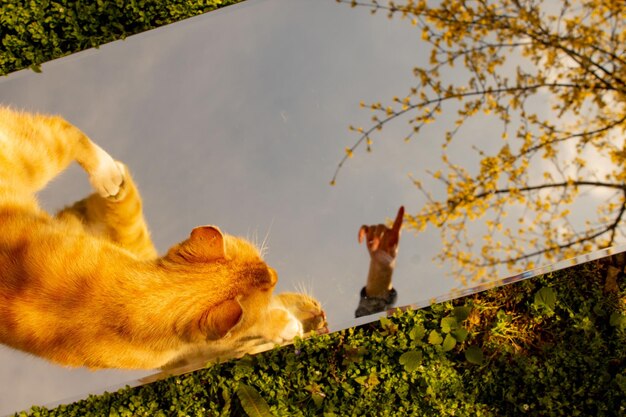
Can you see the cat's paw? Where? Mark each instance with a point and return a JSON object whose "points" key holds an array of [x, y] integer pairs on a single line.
{"points": [[107, 178], [286, 326], [292, 329]]}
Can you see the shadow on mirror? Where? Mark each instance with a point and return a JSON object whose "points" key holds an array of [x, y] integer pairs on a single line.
{"points": [[239, 118]]}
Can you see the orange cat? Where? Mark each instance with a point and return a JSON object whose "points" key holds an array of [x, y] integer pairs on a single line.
{"points": [[85, 288]]}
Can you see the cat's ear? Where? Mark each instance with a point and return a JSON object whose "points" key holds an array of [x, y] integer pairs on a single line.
{"points": [[206, 243], [219, 320]]}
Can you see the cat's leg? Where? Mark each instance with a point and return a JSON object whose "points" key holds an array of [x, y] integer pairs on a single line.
{"points": [[119, 219], [36, 148]]}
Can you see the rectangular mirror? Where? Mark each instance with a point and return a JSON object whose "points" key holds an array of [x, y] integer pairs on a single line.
{"points": [[239, 118]]}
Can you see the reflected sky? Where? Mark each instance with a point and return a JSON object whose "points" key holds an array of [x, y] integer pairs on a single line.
{"points": [[238, 118]]}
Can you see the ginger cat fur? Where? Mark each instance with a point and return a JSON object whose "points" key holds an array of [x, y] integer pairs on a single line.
{"points": [[306, 309], [86, 288]]}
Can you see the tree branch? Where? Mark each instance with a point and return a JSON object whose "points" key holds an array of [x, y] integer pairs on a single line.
{"points": [[439, 100]]}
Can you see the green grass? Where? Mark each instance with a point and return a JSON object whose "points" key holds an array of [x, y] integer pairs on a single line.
{"points": [[37, 31]]}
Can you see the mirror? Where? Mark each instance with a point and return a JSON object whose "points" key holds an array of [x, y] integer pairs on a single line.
{"points": [[239, 118]]}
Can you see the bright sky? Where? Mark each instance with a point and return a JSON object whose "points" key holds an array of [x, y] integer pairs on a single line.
{"points": [[238, 118]]}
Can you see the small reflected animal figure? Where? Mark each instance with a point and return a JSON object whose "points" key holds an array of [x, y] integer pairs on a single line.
{"points": [[85, 287]]}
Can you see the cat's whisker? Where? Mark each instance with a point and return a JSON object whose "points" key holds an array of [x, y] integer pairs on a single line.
{"points": [[253, 237], [264, 245], [264, 249], [302, 288]]}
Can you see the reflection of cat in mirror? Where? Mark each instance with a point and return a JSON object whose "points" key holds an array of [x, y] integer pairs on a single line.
{"points": [[86, 288], [304, 307]]}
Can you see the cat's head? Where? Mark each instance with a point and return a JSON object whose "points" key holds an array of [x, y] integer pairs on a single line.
{"points": [[231, 283]]}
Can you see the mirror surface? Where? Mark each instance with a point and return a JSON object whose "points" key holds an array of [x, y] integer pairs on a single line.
{"points": [[239, 118]]}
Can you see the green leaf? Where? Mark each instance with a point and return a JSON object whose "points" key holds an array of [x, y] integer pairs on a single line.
{"points": [[373, 380], [253, 404], [620, 380], [360, 379], [617, 320], [460, 334], [417, 333], [347, 388], [226, 397], [411, 360], [461, 313], [448, 324], [385, 322], [474, 355], [448, 343], [545, 297], [35, 68], [388, 325], [434, 338], [318, 399]]}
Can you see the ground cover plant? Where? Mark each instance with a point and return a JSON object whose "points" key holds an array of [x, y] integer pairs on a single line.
{"points": [[37, 31], [553, 345]]}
